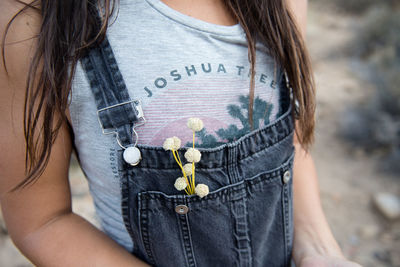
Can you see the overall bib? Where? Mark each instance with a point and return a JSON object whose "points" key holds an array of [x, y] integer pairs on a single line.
{"points": [[245, 220]]}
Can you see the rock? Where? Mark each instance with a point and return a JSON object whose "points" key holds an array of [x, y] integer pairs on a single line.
{"points": [[383, 256], [388, 204]]}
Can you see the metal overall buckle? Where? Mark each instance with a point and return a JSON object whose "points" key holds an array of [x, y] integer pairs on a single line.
{"points": [[131, 154]]}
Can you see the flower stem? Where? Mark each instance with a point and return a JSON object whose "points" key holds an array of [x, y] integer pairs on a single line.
{"points": [[179, 159], [193, 177], [193, 168], [183, 171], [184, 174], [193, 139]]}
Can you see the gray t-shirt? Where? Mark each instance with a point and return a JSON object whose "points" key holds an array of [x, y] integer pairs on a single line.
{"points": [[179, 67]]}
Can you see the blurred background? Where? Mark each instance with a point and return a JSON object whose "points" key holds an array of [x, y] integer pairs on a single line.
{"points": [[355, 48]]}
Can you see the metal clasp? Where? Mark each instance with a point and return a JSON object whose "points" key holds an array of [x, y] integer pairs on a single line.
{"points": [[137, 105]]}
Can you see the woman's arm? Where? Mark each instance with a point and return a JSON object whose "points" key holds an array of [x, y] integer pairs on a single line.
{"points": [[314, 244], [39, 218]]}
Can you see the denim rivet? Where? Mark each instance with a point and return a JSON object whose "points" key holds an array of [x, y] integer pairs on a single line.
{"points": [[286, 177], [182, 209]]}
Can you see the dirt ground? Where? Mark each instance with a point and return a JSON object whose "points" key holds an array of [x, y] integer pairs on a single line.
{"points": [[348, 177]]}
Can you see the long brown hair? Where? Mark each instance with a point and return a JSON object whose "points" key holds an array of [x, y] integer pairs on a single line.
{"points": [[69, 27]]}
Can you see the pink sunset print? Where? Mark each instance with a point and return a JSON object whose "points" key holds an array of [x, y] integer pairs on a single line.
{"points": [[168, 110]]}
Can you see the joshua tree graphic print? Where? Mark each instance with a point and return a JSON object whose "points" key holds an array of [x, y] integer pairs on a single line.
{"points": [[261, 114]]}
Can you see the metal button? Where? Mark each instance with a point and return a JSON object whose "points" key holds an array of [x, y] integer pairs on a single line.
{"points": [[182, 209], [286, 177]]}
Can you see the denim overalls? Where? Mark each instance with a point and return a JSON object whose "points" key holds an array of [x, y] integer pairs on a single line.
{"points": [[245, 220]]}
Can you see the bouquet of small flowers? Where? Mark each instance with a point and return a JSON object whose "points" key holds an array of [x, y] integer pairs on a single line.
{"points": [[192, 155]]}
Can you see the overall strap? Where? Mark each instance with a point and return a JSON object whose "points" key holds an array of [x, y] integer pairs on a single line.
{"points": [[117, 113]]}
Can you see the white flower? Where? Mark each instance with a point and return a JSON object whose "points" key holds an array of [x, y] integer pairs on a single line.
{"points": [[168, 143], [188, 168], [177, 143], [172, 143], [180, 183], [195, 124], [201, 190], [192, 155]]}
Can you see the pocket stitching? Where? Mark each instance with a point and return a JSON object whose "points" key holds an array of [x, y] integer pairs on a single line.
{"points": [[144, 234], [269, 176], [286, 220]]}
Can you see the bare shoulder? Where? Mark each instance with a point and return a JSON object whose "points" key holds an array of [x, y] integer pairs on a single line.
{"points": [[18, 39], [299, 10], [19, 36], [298, 6], [11, 7]]}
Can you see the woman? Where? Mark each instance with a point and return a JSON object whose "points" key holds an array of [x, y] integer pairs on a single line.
{"points": [[42, 47]]}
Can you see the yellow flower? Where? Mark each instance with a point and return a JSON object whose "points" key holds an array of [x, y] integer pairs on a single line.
{"points": [[195, 124], [180, 183], [193, 155], [201, 190]]}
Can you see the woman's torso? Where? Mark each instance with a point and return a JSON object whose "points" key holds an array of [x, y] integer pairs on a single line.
{"points": [[179, 67]]}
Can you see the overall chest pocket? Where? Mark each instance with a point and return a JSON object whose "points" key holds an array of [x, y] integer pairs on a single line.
{"points": [[243, 224]]}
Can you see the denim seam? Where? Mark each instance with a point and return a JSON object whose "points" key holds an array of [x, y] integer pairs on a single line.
{"points": [[290, 221], [267, 177], [226, 165], [144, 233], [186, 239], [240, 218], [226, 190], [242, 186], [249, 156], [190, 240], [285, 221], [181, 235], [125, 200]]}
